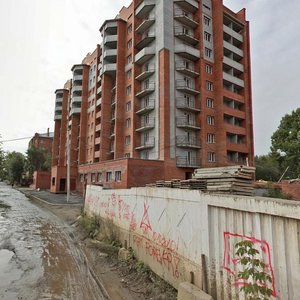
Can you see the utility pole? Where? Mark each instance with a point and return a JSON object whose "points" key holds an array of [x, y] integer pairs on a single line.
{"points": [[68, 165]]}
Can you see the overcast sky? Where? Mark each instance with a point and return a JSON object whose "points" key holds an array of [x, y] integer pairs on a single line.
{"points": [[40, 40]]}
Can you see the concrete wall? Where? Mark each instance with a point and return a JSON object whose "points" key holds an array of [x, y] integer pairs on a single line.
{"points": [[174, 231]]}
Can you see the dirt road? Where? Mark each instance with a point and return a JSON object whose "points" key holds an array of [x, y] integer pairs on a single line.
{"points": [[39, 256]]}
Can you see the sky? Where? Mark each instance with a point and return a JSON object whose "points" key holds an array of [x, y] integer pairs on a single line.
{"points": [[40, 40]]}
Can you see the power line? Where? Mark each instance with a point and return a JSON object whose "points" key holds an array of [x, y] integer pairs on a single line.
{"points": [[17, 139]]}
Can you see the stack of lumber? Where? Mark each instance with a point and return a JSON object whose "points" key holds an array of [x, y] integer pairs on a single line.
{"points": [[236, 180], [192, 184]]}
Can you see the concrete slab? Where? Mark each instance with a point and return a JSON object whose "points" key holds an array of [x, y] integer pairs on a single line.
{"points": [[188, 291]]}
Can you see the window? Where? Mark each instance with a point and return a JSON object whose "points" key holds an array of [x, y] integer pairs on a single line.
{"points": [[208, 52], [206, 20], [99, 176], [53, 180], [209, 103], [211, 138], [128, 123], [207, 36], [128, 106], [127, 155], [210, 120], [127, 140], [129, 44], [108, 176], [129, 74], [129, 59], [118, 176], [209, 85], [206, 6], [128, 90], [211, 156], [129, 28], [208, 69], [81, 177], [93, 177]]}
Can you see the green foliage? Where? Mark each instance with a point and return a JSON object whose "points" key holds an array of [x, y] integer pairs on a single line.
{"points": [[2, 162], [14, 165], [90, 225], [142, 268], [267, 168], [286, 144], [38, 159], [253, 274]]}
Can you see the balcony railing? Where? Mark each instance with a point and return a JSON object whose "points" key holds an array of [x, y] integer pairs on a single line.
{"points": [[185, 35], [187, 162], [186, 68], [146, 88], [188, 5], [186, 104], [147, 143], [186, 123], [146, 106], [145, 24], [146, 71], [185, 18], [146, 123], [187, 142], [186, 86], [146, 39]]}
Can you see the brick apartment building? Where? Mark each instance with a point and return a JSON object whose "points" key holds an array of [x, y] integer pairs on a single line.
{"points": [[168, 90]]}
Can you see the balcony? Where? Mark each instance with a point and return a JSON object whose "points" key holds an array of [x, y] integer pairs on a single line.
{"points": [[57, 117], [77, 88], [145, 25], [184, 141], [111, 27], [58, 100], [76, 99], [98, 102], [187, 36], [99, 66], [146, 72], [233, 49], [98, 127], [146, 124], [146, 106], [186, 123], [147, 38], [97, 154], [186, 86], [113, 100], [99, 90], [234, 80], [233, 33], [147, 143], [77, 78], [144, 55], [75, 110], [186, 104], [146, 89], [144, 8], [110, 55], [97, 140], [99, 78], [109, 68], [185, 18], [187, 52], [232, 63], [186, 68], [188, 5], [187, 162], [111, 41], [78, 68]]}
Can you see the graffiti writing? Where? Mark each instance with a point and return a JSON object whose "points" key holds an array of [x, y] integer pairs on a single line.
{"points": [[145, 224]]}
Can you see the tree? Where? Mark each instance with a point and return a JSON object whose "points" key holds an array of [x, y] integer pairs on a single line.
{"points": [[37, 160], [14, 164], [286, 144], [267, 168], [2, 162]]}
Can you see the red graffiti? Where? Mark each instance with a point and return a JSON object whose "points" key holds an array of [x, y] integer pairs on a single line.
{"points": [[138, 241], [164, 242], [164, 257], [133, 224], [145, 223], [230, 260]]}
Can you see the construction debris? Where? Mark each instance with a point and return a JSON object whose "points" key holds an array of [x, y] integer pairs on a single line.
{"points": [[237, 180]]}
